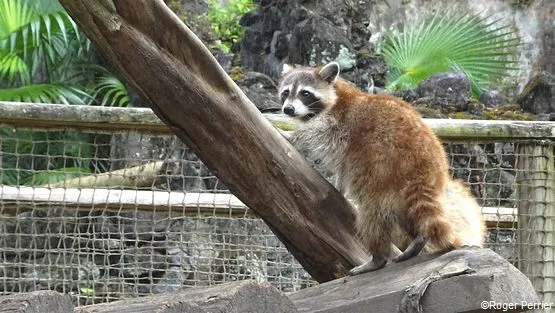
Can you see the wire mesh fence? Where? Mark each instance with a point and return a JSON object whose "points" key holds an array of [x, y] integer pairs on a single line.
{"points": [[104, 215]]}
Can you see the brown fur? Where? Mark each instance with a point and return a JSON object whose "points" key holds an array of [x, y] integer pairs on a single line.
{"points": [[464, 213], [395, 170]]}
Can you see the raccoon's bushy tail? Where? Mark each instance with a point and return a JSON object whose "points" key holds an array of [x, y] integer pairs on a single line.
{"points": [[428, 218]]}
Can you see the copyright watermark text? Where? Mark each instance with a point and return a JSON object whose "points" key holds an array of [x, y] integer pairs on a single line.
{"points": [[504, 307]]}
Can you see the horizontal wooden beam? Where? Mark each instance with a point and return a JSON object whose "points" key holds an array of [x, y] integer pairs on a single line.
{"points": [[112, 119], [117, 200], [208, 204]]}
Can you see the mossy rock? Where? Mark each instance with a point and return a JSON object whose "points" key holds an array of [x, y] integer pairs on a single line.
{"points": [[507, 113], [236, 73]]}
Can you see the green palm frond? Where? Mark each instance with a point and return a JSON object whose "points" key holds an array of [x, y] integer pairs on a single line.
{"points": [[14, 69], [46, 93], [110, 91], [14, 14], [483, 50]]}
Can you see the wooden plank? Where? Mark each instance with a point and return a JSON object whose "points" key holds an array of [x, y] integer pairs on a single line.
{"points": [[115, 119], [36, 302], [458, 281], [245, 296], [97, 118], [116, 199]]}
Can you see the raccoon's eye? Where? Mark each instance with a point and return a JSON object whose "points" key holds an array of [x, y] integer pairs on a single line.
{"points": [[305, 93], [284, 95]]}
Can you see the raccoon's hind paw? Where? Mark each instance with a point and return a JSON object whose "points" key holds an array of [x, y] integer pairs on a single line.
{"points": [[413, 249], [372, 265]]}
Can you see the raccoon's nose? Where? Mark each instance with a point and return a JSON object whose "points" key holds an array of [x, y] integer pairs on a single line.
{"points": [[289, 110]]}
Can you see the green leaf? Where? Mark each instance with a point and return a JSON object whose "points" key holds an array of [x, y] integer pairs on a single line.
{"points": [[46, 93], [483, 50], [111, 91]]}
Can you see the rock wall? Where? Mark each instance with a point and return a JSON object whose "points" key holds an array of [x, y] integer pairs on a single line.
{"points": [[318, 31], [534, 21]]}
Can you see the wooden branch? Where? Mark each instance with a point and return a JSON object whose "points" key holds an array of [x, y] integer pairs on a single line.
{"points": [[36, 301], [174, 72], [245, 296], [458, 281], [83, 117], [138, 176], [92, 118]]}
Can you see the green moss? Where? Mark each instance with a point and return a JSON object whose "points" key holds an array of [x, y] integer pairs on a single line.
{"points": [[364, 53], [460, 116], [507, 114], [175, 5], [427, 112], [236, 73]]}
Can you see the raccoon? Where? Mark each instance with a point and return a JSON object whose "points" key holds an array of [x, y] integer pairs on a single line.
{"points": [[386, 159]]}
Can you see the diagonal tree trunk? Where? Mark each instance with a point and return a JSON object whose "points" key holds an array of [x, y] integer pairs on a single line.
{"points": [[172, 70]]}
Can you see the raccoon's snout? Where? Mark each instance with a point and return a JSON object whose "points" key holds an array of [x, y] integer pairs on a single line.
{"points": [[289, 110]]}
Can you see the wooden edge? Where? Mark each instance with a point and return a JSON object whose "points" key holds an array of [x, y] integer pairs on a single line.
{"points": [[163, 201], [458, 281], [112, 119]]}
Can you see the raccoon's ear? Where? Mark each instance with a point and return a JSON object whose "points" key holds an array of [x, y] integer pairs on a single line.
{"points": [[286, 69], [329, 72]]}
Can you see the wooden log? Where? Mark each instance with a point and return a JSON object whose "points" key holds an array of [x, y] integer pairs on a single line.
{"points": [[237, 297], [176, 74], [458, 281], [115, 119], [36, 302], [535, 182], [133, 177]]}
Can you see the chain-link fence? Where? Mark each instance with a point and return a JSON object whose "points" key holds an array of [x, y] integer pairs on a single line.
{"points": [[106, 204]]}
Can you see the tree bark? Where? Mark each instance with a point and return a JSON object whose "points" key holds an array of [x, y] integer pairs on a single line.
{"points": [[175, 73]]}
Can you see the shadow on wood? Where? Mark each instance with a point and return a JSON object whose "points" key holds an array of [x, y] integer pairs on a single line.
{"points": [[458, 281]]}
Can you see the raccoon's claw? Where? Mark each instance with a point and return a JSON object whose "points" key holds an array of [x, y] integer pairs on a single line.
{"points": [[413, 249], [372, 265]]}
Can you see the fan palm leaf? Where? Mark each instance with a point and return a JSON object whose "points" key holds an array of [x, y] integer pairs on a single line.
{"points": [[483, 50]]}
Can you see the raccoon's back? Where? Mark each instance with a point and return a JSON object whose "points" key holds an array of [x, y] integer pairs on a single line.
{"points": [[388, 141]]}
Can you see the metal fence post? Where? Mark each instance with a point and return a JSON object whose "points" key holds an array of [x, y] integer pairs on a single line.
{"points": [[536, 215]]}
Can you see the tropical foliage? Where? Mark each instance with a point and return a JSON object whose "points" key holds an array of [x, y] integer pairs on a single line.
{"points": [[482, 49], [224, 17], [45, 58]]}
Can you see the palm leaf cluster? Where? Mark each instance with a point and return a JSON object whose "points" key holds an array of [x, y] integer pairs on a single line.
{"points": [[482, 49], [45, 58]]}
